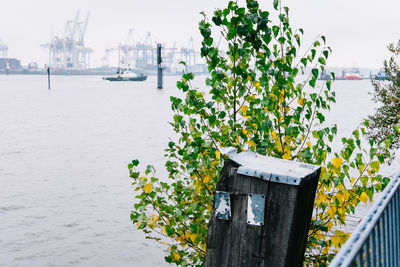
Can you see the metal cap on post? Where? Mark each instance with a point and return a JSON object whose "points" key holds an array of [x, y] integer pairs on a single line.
{"points": [[262, 212]]}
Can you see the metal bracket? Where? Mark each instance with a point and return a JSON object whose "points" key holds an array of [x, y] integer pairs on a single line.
{"points": [[222, 205], [255, 209]]}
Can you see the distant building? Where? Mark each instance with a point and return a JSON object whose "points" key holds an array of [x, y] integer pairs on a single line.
{"points": [[10, 63]]}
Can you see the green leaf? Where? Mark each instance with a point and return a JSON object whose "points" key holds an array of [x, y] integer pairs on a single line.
{"points": [[276, 3], [170, 231], [312, 82], [314, 73], [275, 30]]}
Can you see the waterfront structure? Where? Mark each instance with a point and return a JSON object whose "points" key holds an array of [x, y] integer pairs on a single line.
{"points": [[140, 54], [10, 64], [69, 51], [3, 49]]}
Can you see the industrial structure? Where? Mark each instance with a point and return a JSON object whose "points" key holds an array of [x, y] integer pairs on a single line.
{"points": [[3, 49], [69, 51], [141, 56], [7, 64]]}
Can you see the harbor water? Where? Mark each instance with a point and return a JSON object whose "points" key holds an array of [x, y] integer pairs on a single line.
{"points": [[65, 191]]}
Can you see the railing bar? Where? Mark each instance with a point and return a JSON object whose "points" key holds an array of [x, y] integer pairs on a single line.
{"points": [[393, 230], [367, 251], [359, 258], [389, 237], [383, 234], [385, 214], [379, 243], [397, 228], [396, 219], [373, 247], [392, 206]]}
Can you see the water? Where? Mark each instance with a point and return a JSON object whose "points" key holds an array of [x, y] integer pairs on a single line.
{"points": [[65, 194]]}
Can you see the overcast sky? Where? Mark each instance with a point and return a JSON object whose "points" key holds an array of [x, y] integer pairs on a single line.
{"points": [[357, 30]]}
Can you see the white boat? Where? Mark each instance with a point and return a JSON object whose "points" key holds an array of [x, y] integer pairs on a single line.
{"points": [[125, 74]]}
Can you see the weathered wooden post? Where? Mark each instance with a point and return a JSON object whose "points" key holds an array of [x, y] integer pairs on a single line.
{"points": [[262, 212]]}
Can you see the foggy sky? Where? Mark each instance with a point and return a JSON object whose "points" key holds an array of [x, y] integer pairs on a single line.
{"points": [[357, 31]]}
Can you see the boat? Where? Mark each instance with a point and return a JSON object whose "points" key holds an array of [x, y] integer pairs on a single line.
{"points": [[353, 74], [126, 75], [380, 76]]}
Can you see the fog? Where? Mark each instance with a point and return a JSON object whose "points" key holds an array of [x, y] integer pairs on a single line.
{"points": [[358, 31]]}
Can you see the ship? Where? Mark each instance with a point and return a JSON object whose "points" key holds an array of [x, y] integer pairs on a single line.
{"points": [[353, 74], [126, 75], [381, 75]]}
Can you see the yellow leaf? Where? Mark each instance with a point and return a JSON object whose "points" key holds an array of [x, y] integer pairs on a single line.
{"points": [[273, 135], [206, 178], [148, 188], [300, 101], [257, 85], [287, 139], [164, 230], [364, 197], [217, 154], [193, 237], [251, 143], [309, 145], [337, 162], [352, 180], [176, 256], [214, 163], [237, 140], [325, 250], [331, 212], [287, 155], [346, 195], [340, 197], [336, 241], [329, 225]]}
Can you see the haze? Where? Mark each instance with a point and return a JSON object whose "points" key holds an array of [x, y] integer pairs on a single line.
{"points": [[358, 31]]}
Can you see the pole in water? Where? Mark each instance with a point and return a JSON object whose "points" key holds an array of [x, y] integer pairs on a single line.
{"points": [[48, 76], [159, 68]]}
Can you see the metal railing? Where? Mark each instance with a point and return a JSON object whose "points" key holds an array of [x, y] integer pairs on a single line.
{"points": [[376, 240]]}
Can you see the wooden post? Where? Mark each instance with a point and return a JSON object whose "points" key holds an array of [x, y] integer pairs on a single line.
{"points": [[159, 68], [262, 212]]}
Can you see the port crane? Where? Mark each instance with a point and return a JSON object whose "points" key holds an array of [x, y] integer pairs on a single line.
{"points": [[3, 49], [69, 51]]}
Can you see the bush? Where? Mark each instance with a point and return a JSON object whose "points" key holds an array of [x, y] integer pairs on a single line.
{"points": [[254, 102]]}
